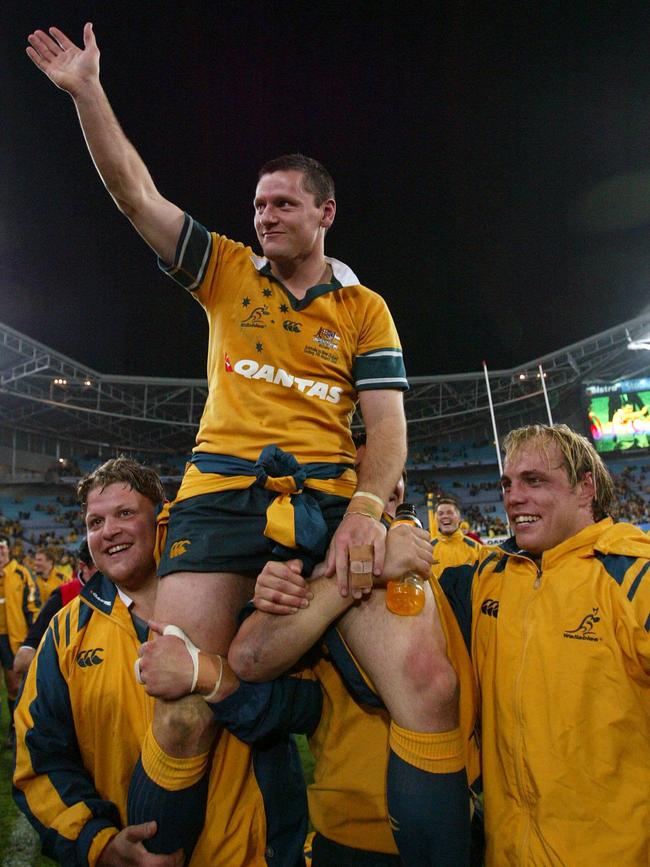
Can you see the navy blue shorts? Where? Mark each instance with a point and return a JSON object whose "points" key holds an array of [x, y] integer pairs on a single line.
{"points": [[224, 532]]}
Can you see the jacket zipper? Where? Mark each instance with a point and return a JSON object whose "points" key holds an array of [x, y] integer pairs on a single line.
{"points": [[519, 747]]}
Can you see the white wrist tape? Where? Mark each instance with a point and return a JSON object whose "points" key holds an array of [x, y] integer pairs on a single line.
{"points": [[192, 649], [369, 496], [194, 652]]}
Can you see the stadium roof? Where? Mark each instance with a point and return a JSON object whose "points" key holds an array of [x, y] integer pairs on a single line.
{"points": [[46, 393], [439, 405]]}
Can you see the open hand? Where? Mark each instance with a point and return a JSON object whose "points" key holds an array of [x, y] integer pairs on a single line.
{"points": [[68, 66]]}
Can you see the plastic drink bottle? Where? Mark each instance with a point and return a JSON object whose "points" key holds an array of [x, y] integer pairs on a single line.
{"points": [[405, 595]]}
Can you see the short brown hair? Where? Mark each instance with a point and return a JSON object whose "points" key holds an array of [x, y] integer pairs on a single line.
{"points": [[447, 501], [315, 177], [48, 553], [579, 457], [127, 471]]}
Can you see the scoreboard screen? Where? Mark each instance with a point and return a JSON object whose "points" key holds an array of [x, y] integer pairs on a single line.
{"points": [[619, 415]]}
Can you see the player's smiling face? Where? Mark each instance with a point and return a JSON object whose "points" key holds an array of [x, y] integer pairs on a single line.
{"points": [[42, 565], [120, 524], [288, 223], [4, 554], [542, 507], [448, 518]]}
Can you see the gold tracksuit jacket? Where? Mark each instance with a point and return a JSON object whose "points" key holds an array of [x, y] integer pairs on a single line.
{"points": [[562, 654], [79, 724], [455, 550]]}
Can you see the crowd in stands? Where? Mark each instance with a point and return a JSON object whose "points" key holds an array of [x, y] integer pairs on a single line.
{"points": [[452, 454], [166, 466], [632, 487], [480, 499], [52, 520]]}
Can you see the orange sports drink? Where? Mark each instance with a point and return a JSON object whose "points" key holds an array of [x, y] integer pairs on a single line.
{"points": [[405, 595]]}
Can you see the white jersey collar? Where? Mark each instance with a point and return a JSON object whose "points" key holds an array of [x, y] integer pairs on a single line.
{"points": [[125, 599], [343, 273]]}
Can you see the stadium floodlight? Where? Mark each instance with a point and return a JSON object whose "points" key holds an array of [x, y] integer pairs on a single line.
{"points": [[642, 343]]}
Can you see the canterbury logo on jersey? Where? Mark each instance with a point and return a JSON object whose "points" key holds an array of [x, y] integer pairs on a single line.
{"points": [[252, 370], [288, 325], [584, 632], [179, 547], [490, 607], [86, 658]]}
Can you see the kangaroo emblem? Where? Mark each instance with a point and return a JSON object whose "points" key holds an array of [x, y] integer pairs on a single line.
{"points": [[587, 624], [255, 315]]}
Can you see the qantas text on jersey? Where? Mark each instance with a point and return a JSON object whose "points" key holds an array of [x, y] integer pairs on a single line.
{"points": [[252, 370]]}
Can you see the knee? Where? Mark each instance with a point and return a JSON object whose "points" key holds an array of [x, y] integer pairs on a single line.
{"points": [[184, 727], [433, 683]]}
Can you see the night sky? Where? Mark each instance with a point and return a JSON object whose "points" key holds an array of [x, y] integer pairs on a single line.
{"points": [[492, 164]]}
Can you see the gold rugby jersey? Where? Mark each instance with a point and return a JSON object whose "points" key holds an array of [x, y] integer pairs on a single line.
{"points": [[282, 370], [18, 607], [454, 550], [45, 586]]}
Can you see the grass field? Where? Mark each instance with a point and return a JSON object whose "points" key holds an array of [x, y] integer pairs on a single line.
{"points": [[306, 758], [19, 846]]}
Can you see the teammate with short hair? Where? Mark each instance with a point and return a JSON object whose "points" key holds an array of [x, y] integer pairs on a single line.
{"points": [[451, 547], [47, 575], [82, 717], [559, 617], [295, 341]]}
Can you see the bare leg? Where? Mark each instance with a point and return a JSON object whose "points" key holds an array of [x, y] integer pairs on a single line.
{"points": [[205, 605], [169, 783], [406, 659], [428, 798]]}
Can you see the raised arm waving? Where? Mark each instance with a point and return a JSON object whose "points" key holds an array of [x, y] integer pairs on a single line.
{"points": [[125, 176]]}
